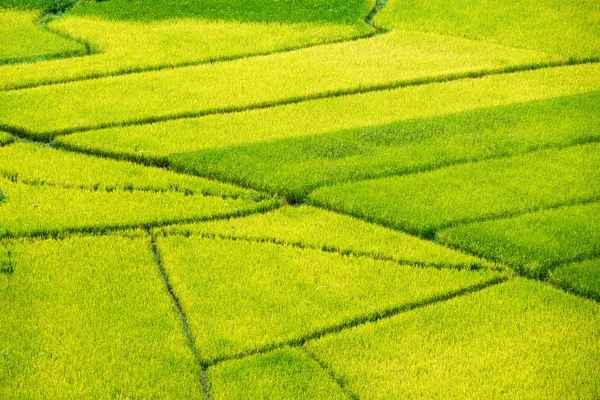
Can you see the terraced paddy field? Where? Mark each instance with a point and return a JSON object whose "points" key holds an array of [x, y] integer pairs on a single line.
{"points": [[309, 199]]}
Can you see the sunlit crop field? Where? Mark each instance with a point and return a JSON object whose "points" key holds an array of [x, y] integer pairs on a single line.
{"points": [[299, 199]]}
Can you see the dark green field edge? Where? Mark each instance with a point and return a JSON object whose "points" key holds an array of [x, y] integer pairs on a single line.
{"points": [[335, 250], [187, 330], [569, 287], [6, 139], [370, 18], [112, 228], [48, 136], [48, 57], [358, 321]]}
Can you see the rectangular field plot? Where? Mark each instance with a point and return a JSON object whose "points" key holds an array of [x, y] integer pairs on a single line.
{"points": [[519, 340], [533, 243], [304, 74], [294, 167], [282, 374], [426, 202], [91, 318], [241, 296], [130, 46], [44, 210], [311, 227], [567, 27], [284, 12], [23, 40], [40, 165], [582, 278], [158, 141]]}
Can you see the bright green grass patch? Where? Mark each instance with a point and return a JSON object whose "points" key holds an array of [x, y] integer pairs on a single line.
{"points": [[6, 138], [518, 340], [284, 11], [45, 210], [295, 167], [534, 243], [41, 165], [121, 47], [287, 373], [315, 228], [423, 203], [568, 27], [157, 141], [23, 40], [317, 71], [90, 318], [241, 296], [582, 278]]}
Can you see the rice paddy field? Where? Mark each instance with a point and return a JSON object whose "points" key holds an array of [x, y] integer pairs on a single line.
{"points": [[299, 199]]}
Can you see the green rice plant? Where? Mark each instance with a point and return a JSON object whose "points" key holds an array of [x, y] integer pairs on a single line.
{"points": [[241, 296], [521, 339], [41, 165], [535, 243], [159, 140], [7, 263], [582, 278], [89, 317], [568, 27], [285, 373], [311, 227], [391, 60], [426, 202], [296, 166], [121, 47], [286, 11], [35, 210], [24, 41], [33, 4], [6, 138]]}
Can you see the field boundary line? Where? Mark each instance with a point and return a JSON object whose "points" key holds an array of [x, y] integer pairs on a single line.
{"points": [[430, 234], [48, 136], [14, 178], [342, 385], [438, 166], [359, 321], [370, 18], [49, 16], [163, 67], [187, 330], [108, 229], [42, 22], [332, 250], [519, 213]]}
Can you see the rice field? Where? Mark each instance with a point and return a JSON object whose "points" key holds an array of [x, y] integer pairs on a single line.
{"points": [[309, 199]]}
